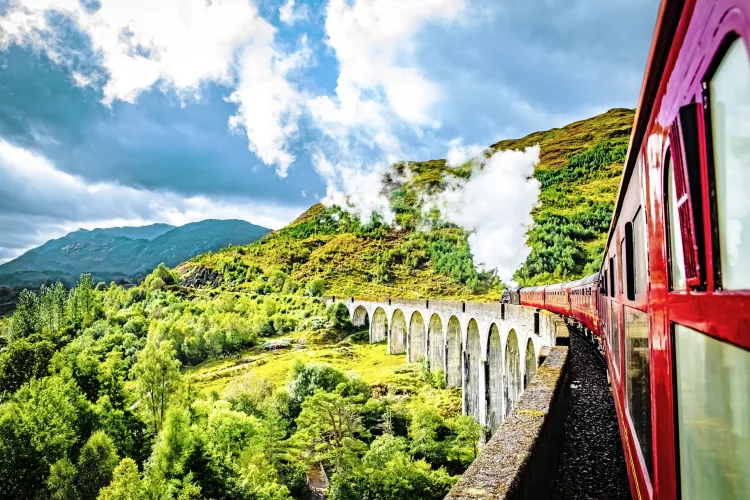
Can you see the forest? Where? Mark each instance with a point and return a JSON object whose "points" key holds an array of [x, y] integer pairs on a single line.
{"points": [[97, 401]]}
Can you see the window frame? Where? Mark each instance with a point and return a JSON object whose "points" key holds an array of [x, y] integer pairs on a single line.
{"points": [[732, 35]]}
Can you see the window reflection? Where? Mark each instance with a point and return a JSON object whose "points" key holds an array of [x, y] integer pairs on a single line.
{"points": [[730, 121], [713, 416], [638, 379]]}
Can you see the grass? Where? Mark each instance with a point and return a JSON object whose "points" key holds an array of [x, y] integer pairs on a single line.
{"points": [[387, 373]]}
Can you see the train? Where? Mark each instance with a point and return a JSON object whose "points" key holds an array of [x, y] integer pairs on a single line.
{"points": [[669, 308]]}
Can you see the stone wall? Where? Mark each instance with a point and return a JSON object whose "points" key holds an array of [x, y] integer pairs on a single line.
{"points": [[520, 461]]}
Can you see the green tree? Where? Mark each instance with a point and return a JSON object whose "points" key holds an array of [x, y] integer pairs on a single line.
{"points": [[465, 439], [26, 317], [157, 376], [40, 425], [388, 473], [52, 307], [111, 374], [96, 463], [22, 360], [330, 428], [126, 483], [306, 378], [80, 304], [61, 482], [315, 288]]}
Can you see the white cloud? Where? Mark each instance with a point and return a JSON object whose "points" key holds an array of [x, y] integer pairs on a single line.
{"points": [[288, 15], [381, 92], [53, 203], [373, 43], [495, 204], [176, 45], [265, 96]]}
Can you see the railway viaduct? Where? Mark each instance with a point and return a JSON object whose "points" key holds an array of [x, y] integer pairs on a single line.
{"points": [[490, 350]]}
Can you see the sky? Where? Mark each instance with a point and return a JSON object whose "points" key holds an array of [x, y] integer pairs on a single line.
{"points": [[129, 112]]}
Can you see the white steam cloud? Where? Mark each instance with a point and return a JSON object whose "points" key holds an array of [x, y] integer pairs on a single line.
{"points": [[458, 154], [495, 205]]}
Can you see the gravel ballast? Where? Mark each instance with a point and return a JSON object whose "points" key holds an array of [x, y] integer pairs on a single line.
{"points": [[592, 463]]}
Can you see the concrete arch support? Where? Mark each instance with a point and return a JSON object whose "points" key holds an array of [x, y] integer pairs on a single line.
{"points": [[379, 326], [397, 338], [495, 369], [454, 353], [474, 368], [436, 343], [531, 364], [417, 345], [512, 373]]}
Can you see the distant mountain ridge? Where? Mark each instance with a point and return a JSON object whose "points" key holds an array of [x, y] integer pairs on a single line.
{"points": [[123, 253]]}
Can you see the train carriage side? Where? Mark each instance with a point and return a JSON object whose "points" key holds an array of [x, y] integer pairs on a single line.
{"points": [[557, 299], [533, 296], [674, 286], [583, 299]]}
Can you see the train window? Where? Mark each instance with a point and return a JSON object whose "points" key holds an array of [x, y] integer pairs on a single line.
{"points": [[730, 105], [640, 264], [614, 319], [676, 255], [612, 289], [713, 404], [627, 253], [638, 379]]}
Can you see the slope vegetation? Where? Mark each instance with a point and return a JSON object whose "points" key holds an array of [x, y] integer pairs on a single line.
{"points": [[421, 256]]}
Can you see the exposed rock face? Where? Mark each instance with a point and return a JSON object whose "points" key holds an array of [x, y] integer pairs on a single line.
{"points": [[201, 277]]}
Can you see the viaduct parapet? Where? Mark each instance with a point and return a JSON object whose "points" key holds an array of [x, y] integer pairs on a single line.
{"points": [[490, 350]]}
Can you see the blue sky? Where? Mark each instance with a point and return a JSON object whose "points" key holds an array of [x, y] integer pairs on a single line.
{"points": [[146, 111]]}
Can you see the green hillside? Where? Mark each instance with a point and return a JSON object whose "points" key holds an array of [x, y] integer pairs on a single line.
{"points": [[123, 253], [579, 173]]}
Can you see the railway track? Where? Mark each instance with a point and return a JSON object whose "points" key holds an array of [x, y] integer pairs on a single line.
{"points": [[592, 462]]}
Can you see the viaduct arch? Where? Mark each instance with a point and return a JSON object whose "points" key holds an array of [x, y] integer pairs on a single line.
{"points": [[490, 350]]}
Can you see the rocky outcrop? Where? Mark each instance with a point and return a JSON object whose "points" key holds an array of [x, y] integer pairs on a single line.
{"points": [[201, 277]]}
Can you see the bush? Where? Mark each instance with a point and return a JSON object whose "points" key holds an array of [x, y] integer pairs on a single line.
{"points": [[315, 288]]}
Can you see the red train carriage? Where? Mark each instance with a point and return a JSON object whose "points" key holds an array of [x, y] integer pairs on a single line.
{"points": [[533, 296], [672, 299], [583, 300], [557, 299]]}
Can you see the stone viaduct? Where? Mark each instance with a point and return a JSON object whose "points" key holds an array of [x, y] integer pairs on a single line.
{"points": [[490, 350]]}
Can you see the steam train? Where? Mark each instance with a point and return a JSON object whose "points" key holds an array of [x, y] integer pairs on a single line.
{"points": [[670, 306]]}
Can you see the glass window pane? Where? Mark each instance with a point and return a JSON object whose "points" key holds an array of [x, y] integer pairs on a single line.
{"points": [[675, 239], [639, 253], [713, 416], [615, 322], [730, 120], [638, 379]]}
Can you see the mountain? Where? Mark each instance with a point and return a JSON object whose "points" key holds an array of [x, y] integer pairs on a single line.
{"points": [[579, 173], [138, 232], [123, 253]]}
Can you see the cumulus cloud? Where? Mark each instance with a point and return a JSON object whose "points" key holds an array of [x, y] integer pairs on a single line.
{"points": [[495, 205], [174, 45], [39, 202], [381, 91], [289, 15], [265, 96]]}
